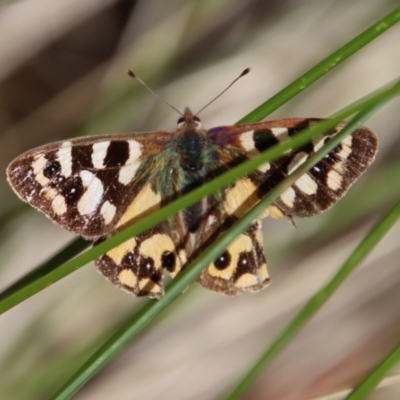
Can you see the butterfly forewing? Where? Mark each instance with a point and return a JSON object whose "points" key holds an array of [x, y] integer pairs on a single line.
{"points": [[97, 186], [324, 184], [85, 185]]}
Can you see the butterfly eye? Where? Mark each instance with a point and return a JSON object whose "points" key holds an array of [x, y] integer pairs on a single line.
{"points": [[181, 120]]}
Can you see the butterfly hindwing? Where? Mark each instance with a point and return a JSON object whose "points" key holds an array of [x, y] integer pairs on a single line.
{"points": [[137, 265], [241, 267]]}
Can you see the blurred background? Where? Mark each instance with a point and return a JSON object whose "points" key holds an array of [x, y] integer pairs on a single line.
{"points": [[63, 74]]}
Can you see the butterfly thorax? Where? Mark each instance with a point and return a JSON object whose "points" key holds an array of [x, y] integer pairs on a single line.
{"points": [[192, 142]]}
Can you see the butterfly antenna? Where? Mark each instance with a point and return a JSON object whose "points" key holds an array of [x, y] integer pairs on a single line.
{"points": [[245, 72], [143, 83]]}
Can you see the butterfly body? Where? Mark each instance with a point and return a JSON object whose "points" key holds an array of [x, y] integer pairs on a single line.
{"points": [[97, 186]]}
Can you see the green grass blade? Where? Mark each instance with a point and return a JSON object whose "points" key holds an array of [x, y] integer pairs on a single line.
{"points": [[323, 67], [43, 281], [375, 377], [316, 302]]}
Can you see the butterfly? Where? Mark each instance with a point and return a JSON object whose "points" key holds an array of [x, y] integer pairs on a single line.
{"points": [[97, 186]]}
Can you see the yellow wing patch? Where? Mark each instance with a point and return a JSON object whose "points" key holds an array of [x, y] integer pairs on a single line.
{"points": [[145, 203], [240, 198]]}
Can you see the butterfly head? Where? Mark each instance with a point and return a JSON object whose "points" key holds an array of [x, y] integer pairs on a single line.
{"points": [[188, 121]]}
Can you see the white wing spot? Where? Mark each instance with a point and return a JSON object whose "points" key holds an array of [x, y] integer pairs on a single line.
{"points": [[334, 180], [93, 195], [307, 184], [264, 167], [247, 141], [135, 151], [346, 147], [211, 220], [37, 167], [64, 157], [128, 171], [280, 133], [340, 168], [108, 212], [288, 197], [39, 164], [99, 153], [182, 256], [58, 205]]}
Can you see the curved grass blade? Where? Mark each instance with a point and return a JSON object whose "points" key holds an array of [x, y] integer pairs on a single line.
{"points": [[376, 376], [323, 67], [32, 287], [319, 299]]}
